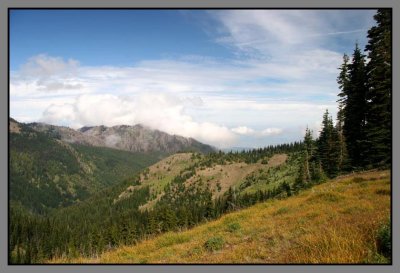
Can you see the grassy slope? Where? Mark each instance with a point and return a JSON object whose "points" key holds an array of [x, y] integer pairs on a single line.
{"points": [[158, 175], [225, 176], [335, 222]]}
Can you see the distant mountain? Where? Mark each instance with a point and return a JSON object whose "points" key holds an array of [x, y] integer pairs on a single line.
{"points": [[137, 138]]}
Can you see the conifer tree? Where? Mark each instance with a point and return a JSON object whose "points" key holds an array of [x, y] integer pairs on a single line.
{"points": [[355, 109], [379, 94], [343, 81], [309, 153], [328, 146], [152, 224]]}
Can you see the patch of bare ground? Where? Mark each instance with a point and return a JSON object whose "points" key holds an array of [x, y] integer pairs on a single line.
{"points": [[14, 127], [157, 176], [277, 160], [220, 178], [171, 165]]}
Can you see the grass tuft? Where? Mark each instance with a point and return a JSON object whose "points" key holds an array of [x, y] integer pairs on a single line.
{"points": [[232, 227], [214, 243], [325, 197], [280, 211], [170, 239]]}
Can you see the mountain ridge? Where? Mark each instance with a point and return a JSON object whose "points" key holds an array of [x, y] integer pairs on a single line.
{"points": [[136, 138]]}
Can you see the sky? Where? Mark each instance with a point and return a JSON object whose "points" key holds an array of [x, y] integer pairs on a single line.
{"points": [[229, 78]]}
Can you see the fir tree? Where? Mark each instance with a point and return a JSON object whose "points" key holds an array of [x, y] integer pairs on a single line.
{"points": [[355, 109], [379, 94], [328, 146], [343, 81]]}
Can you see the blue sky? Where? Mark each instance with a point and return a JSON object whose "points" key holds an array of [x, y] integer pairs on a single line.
{"points": [[225, 77], [109, 37]]}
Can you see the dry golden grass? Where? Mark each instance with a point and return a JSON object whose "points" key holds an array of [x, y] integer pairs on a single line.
{"points": [[231, 174], [335, 222]]}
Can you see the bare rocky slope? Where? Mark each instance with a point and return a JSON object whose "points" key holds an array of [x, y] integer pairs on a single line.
{"points": [[137, 138]]}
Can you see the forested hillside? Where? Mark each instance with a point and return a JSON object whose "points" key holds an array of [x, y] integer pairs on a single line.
{"points": [[48, 173]]}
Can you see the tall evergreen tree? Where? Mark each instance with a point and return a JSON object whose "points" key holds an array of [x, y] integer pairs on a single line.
{"points": [[355, 109], [309, 153], [328, 146], [379, 94], [343, 81]]}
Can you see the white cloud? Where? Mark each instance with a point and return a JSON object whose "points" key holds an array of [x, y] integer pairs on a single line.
{"points": [[273, 32], [271, 131], [243, 130], [44, 75], [44, 66], [160, 111]]}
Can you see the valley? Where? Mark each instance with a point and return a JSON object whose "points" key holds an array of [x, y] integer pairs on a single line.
{"points": [[96, 198]]}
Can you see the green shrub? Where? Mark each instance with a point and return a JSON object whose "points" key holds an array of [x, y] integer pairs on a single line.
{"points": [[282, 210], [375, 258], [232, 227], [214, 243], [170, 239], [384, 240], [325, 197], [382, 191]]}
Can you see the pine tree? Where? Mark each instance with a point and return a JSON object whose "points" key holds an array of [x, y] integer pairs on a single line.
{"points": [[355, 109], [305, 172], [328, 146], [309, 154], [132, 235], [152, 227], [343, 81], [379, 94], [170, 220]]}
